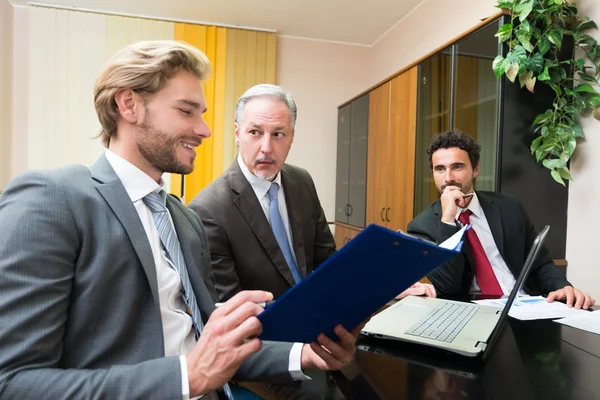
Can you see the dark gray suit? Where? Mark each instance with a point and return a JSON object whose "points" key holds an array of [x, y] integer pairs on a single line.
{"points": [[513, 234], [245, 254], [79, 307]]}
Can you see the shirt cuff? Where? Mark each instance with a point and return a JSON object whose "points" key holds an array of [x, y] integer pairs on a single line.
{"points": [[185, 382], [449, 223], [295, 364]]}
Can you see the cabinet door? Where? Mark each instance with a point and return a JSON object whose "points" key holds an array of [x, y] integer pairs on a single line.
{"points": [[342, 183], [401, 169], [359, 132], [341, 236], [378, 160], [434, 94]]}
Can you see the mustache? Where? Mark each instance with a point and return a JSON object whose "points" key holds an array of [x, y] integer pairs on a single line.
{"points": [[451, 183], [265, 159]]}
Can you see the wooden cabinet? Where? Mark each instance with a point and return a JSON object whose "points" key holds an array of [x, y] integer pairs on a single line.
{"points": [[351, 173], [344, 233], [391, 152]]}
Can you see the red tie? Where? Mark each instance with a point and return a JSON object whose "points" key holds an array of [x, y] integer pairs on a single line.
{"points": [[486, 279]]}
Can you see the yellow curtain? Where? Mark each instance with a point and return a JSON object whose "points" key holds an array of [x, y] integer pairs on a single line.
{"points": [[240, 59]]}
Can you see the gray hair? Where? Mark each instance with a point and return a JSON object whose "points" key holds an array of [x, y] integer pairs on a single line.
{"points": [[266, 90]]}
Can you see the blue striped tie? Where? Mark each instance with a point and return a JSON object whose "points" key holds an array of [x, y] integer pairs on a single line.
{"points": [[280, 232], [156, 204]]}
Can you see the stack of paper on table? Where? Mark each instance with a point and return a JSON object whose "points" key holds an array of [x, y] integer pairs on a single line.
{"points": [[587, 321], [534, 307]]}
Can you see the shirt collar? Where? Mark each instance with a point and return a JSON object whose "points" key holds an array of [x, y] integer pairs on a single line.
{"points": [[259, 185], [474, 206], [136, 182]]}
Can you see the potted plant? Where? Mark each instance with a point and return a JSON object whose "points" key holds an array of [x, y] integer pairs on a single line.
{"points": [[534, 37]]}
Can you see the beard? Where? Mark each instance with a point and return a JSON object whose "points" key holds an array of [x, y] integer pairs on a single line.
{"points": [[463, 188], [263, 175], [160, 148]]}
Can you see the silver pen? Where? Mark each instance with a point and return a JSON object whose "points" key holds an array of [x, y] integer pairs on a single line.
{"points": [[263, 304]]}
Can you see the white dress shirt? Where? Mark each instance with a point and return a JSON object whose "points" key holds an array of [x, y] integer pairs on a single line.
{"points": [[178, 334], [261, 188], [480, 224]]}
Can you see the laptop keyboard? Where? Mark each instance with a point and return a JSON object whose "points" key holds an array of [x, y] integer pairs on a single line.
{"points": [[443, 323]]}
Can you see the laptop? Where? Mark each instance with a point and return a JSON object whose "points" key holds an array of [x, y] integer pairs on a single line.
{"points": [[464, 328]]}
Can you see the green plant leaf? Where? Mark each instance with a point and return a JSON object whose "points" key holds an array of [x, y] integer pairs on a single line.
{"points": [[535, 143], [542, 117], [553, 163], [556, 38], [584, 26], [545, 75], [595, 101], [557, 177], [584, 87], [508, 4], [587, 77], [564, 173], [499, 66], [511, 71], [526, 10], [504, 33], [543, 46], [536, 63], [577, 131]]}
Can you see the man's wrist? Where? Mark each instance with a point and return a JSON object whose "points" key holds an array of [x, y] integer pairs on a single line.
{"points": [[196, 382], [305, 360]]}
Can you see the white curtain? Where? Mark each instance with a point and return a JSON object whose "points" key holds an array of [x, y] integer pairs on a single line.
{"points": [[67, 50]]}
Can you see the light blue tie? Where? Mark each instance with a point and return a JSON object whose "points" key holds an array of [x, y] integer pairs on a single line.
{"points": [[280, 232], [156, 204]]}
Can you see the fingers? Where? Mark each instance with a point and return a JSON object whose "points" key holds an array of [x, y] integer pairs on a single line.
{"points": [[241, 298], [570, 295], [329, 361], [240, 315], [579, 299], [249, 328], [248, 348], [430, 291], [556, 295]]}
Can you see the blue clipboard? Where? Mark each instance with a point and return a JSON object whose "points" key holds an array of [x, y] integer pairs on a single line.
{"points": [[351, 285]]}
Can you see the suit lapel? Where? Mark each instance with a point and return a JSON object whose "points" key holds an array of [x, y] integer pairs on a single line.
{"points": [[492, 214], [110, 187], [294, 203], [245, 200]]}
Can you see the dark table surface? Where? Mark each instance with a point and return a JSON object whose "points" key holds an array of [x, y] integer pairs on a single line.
{"points": [[531, 360]]}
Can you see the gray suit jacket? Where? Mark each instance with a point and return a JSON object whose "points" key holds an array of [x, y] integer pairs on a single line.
{"points": [[79, 306], [245, 254]]}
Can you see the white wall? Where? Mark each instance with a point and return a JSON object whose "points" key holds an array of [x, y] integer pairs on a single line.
{"points": [[320, 76], [427, 27], [584, 193], [6, 18]]}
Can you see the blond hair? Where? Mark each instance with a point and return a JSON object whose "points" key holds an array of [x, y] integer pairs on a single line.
{"points": [[143, 67]]}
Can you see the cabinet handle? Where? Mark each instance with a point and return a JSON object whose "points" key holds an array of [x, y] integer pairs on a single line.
{"points": [[351, 209], [381, 214], [346, 210], [387, 214]]}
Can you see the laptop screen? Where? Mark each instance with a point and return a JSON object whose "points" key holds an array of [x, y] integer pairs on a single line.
{"points": [[531, 257]]}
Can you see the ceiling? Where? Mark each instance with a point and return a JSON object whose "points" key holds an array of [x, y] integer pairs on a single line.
{"points": [[349, 21]]}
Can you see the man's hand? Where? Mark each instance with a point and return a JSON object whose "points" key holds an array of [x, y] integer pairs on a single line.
{"points": [[451, 199], [328, 355], [572, 296], [418, 289], [227, 340]]}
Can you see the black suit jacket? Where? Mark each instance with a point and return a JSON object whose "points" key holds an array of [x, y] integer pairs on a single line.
{"points": [[245, 254], [513, 234]]}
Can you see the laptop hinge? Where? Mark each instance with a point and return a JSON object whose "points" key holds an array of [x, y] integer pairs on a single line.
{"points": [[481, 345]]}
